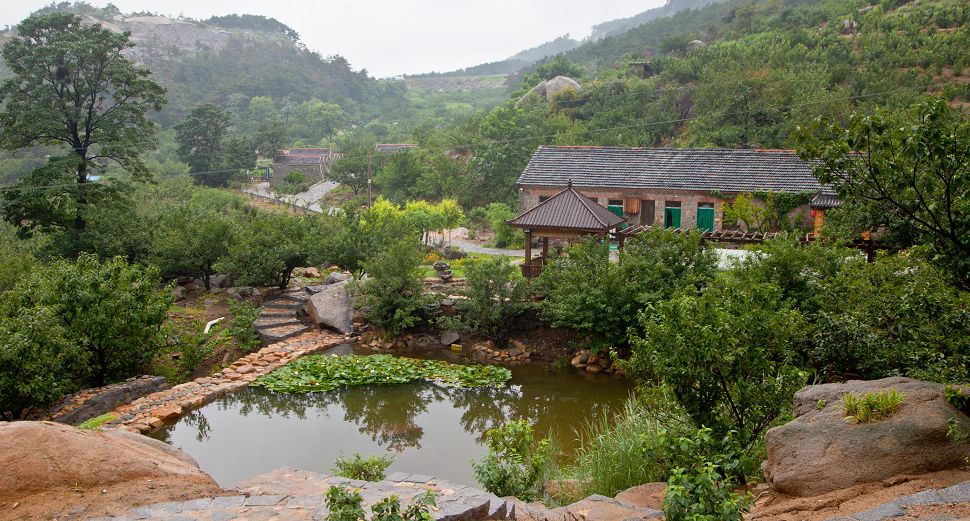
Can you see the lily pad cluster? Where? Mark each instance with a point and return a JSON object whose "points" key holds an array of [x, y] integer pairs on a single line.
{"points": [[316, 373]]}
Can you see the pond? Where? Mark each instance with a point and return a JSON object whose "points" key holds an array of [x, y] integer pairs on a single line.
{"points": [[427, 428]]}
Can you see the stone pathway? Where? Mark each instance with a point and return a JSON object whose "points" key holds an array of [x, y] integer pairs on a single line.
{"points": [[299, 495], [279, 319], [959, 493], [151, 412], [310, 199]]}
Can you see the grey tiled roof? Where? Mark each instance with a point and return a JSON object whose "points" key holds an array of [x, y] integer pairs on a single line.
{"points": [[568, 209], [390, 148], [825, 199], [703, 169]]}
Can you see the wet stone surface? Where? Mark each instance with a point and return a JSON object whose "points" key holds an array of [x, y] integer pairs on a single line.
{"points": [[291, 494]]}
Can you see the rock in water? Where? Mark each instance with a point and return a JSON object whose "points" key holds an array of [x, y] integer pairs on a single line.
{"points": [[39, 456], [332, 308], [819, 451]]}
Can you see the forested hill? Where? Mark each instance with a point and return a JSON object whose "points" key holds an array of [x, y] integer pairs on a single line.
{"points": [[228, 60]]}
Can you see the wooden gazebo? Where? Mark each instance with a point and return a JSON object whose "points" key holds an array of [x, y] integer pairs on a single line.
{"points": [[566, 215]]}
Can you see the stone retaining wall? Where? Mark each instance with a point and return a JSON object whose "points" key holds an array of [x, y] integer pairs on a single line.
{"points": [[91, 403], [153, 411]]}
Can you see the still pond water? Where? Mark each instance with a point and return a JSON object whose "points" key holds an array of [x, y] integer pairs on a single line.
{"points": [[428, 429]]}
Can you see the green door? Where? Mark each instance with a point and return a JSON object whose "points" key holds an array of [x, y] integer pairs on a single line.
{"points": [[671, 217], [705, 219]]}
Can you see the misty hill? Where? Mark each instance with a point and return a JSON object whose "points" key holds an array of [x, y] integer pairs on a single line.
{"points": [[227, 60], [529, 57], [672, 7]]}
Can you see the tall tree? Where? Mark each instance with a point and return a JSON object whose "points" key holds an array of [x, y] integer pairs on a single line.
{"points": [[72, 86], [201, 139]]}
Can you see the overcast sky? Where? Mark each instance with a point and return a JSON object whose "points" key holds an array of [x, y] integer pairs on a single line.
{"points": [[390, 37]]}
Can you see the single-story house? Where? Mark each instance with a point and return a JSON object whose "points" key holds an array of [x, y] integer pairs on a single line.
{"points": [[672, 187], [311, 162]]}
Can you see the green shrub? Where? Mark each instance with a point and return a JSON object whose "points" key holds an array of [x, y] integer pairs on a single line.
{"points": [[871, 406], [701, 476], [585, 291], [957, 398], [505, 236], [516, 463], [702, 494], [242, 327], [371, 468], [344, 505], [496, 295], [393, 298], [110, 309]]}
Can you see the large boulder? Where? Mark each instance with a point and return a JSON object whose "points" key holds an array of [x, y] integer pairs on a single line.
{"points": [[332, 308], [820, 451], [40, 456], [550, 88]]}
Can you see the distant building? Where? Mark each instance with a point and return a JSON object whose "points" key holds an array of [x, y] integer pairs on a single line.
{"points": [[312, 162], [670, 187], [392, 148]]}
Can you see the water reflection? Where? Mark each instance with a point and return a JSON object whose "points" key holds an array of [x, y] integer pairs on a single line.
{"points": [[429, 429]]}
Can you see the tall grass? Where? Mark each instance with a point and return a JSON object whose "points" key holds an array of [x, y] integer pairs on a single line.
{"points": [[871, 406], [625, 449]]}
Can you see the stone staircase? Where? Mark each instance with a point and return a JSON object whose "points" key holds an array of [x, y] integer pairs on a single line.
{"points": [[280, 318]]}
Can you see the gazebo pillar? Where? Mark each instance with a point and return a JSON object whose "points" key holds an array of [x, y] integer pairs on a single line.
{"points": [[528, 245]]}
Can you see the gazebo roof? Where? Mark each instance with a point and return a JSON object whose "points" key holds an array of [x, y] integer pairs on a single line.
{"points": [[568, 210]]}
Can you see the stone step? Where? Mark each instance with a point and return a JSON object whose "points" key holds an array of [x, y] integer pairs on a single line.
{"points": [[278, 313], [275, 334], [283, 304], [296, 296], [273, 321]]}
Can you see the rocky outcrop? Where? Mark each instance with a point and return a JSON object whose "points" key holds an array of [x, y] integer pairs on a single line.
{"points": [[90, 403], [39, 456], [819, 451], [332, 308], [549, 88]]}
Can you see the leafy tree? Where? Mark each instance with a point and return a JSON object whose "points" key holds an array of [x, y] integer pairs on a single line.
{"points": [[392, 299], [726, 355], [109, 310], [268, 246], [912, 167], [262, 109], [321, 118], [201, 140], [270, 138], [73, 87], [191, 240]]}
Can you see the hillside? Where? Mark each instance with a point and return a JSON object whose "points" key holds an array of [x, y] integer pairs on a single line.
{"points": [[672, 7], [228, 60]]}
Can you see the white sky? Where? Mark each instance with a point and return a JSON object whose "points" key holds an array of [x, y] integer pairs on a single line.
{"points": [[390, 37]]}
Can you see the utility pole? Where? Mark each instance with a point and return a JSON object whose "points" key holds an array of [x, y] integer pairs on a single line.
{"points": [[370, 200]]}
